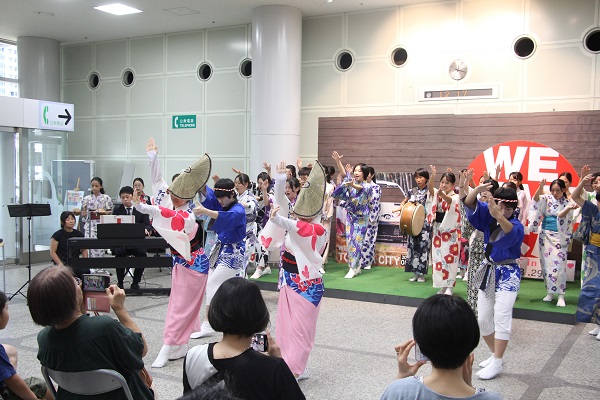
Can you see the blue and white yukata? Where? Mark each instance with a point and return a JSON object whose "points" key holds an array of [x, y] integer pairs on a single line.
{"points": [[227, 255], [356, 203], [588, 308], [418, 247], [499, 279], [368, 251], [251, 208], [554, 237]]}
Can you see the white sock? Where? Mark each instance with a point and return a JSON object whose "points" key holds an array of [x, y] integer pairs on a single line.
{"points": [[163, 356], [492, 370], [486, 362]]}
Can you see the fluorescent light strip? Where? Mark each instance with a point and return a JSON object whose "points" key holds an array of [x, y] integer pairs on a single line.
{"points": [[118, 9]]}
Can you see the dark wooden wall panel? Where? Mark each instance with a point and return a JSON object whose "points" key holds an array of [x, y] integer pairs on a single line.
{"points": [[403, 143]]}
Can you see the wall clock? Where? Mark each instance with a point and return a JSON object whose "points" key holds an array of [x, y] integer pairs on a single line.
{"points": [[458, 69]]}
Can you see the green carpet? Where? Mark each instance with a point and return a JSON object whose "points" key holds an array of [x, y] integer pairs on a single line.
{"points": [[394, 281]]}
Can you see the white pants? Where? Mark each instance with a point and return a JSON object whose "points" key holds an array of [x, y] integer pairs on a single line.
{"points": [[496, 315]]}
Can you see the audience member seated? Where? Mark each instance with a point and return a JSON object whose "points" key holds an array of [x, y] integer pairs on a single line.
{"points": [[209, 393], [126, 208], [58, 243], [73, 341], [446, 331], [12, 386], [239, 311]]}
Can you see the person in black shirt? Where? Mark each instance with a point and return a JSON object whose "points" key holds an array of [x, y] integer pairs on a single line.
{"points": [[58, 243], [239, 311], [126, 208]]}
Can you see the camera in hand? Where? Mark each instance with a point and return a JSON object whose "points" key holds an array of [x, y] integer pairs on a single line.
{"points": [[260, 342]]}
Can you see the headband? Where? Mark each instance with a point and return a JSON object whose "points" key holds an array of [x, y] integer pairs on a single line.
{"points": [[508, 201], [224, 190]]}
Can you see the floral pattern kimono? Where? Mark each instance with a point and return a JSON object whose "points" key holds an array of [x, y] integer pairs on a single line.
{"points": [[188, 278], [588, 308], [368, 250], [300, 293], [92, 203], [251, 209], [553, 242], [445, 255], [356, 203], [418, 247]]}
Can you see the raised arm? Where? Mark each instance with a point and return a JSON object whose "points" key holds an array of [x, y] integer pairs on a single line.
{"points": [[471, 199], [576, 196], [539, 191], [338, 161], [431, 182]]}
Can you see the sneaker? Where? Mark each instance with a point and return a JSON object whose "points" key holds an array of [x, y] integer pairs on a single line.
{"points": [[304, 375], [561, 301], [350, 274], [595, 331], [493, 369], [257, 273], [321, 271], [421, 279], [266, 271], [367, 267], [414, 278]]}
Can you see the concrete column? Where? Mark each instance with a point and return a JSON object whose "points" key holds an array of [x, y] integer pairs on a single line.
{"points": [[276, 72], [39, 68]]}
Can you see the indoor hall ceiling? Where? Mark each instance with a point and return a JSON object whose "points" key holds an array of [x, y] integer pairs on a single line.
{"points": [[75, 21]]}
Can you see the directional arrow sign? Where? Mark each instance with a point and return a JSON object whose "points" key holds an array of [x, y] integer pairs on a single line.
{"points": [[56, 116]]}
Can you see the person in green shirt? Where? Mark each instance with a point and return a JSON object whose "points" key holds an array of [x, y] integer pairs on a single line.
{"points": [[73, 341]]}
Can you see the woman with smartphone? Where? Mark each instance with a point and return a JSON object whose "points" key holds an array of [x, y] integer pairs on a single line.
{"points": [[239, 311]]}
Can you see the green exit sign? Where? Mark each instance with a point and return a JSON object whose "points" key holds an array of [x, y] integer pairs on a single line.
{"points": [[184, 121]]}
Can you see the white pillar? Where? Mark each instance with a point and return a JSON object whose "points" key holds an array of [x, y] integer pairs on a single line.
{"points": [[39, 68], [276, 72]]}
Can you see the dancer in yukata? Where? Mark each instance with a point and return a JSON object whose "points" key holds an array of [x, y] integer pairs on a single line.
{"points": [[302, 239], [177, 225], [227, 256], [355, 193]]}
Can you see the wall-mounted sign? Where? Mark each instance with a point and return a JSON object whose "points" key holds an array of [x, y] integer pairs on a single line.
{"points": [[184, 121], [57, 116]]}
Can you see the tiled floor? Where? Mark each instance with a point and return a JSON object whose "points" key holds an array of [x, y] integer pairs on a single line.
{"points": [[354, 354]]}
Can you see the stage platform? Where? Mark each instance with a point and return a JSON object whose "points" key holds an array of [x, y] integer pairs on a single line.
{"points": [[388, 285]]}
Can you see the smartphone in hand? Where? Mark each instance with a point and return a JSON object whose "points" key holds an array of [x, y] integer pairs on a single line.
{"points": [[418, 355], [260, 342], [94, 292]]}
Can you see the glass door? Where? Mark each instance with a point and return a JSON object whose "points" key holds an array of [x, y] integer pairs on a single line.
{"points": [[41, 148], [8, 192]]}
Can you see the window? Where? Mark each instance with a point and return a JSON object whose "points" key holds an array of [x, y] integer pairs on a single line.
{"points": [[9, 69]]}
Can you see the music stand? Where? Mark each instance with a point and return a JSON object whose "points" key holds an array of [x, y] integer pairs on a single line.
{"points": [[28, 210]]}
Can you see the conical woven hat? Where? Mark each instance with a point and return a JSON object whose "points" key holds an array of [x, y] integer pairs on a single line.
{"points": [[192, 179], [311, 197]]}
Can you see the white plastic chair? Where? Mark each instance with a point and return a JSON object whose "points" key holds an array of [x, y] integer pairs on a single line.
{"points": [[86, 383]]}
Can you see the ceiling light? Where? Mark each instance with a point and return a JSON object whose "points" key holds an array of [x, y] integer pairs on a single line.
{"points": [[118, 9]]}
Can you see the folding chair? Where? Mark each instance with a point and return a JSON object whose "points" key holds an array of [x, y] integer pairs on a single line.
{"points": [[86, 383]]}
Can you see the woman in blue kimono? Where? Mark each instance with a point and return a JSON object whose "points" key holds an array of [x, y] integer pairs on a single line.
{"points": [[588, 308], [227, 255], [368, 252], [355, 193]]}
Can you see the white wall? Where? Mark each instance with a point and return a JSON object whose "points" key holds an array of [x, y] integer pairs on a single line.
{"points": [[113, 122]]}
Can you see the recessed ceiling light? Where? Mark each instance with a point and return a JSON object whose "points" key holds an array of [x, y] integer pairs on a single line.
{"points": [[118, 9]]}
